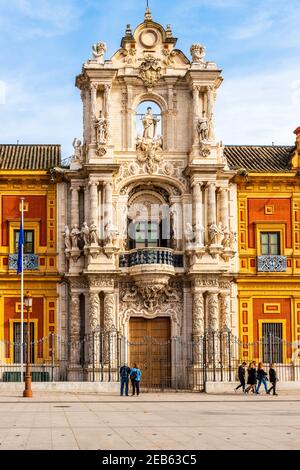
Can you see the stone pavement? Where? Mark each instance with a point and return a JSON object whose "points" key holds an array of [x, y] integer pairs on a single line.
{"points": [[152, 421]]}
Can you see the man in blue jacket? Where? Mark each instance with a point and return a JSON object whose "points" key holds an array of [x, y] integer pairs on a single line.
{"points": [[124, 379], [135, 377]]}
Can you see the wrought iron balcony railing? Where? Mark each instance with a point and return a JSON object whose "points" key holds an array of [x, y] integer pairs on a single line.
{"points": [[271, 264], [31, 262], [151, 256]]}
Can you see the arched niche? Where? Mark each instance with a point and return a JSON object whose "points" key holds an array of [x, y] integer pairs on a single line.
{"points": [[148, 123], [148, 219]]}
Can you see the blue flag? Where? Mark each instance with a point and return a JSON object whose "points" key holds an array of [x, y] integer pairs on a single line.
{"points": [[20, 244]]}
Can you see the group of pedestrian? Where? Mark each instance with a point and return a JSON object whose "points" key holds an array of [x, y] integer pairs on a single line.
{"points": [[134, 375], [256, 377]]}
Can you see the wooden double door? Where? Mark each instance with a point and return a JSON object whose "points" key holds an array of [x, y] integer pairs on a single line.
{"points": [[150, 349]]}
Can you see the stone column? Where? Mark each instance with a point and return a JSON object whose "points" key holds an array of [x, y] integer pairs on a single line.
{"points": [[94, 202], [94, 312], [224, 207], [107, 101], [198, 326], [74, 329], [74, 206], [109, 311], [211, 204], [198, 314], [213, 311], [197, 203], [108, 203], [94, 88], [110, 337], [226, 312], [211, 96], [196, 101], [87, 204]]}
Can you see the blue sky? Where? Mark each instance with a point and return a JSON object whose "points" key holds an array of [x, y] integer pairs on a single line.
{"points": [[43, 44]]}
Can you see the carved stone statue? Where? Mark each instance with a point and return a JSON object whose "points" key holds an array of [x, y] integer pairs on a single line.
{"points": [[99, 50], [93, 233], [189, 233], [75, 233], [220, 234], [226, 238], [67, 238], [77, 145], [213, 234], [198, 54], [149, 151], [232, 241], [85, 232], [111, 233], [199, 231], [203, 128], [101, 125], [150, 124]]}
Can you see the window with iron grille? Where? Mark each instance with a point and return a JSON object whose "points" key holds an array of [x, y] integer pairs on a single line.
{"points": [[272, 342]]}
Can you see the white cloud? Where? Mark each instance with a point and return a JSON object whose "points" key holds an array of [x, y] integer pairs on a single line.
{"points": [[38, 18], [259, 109], [48, 116]]}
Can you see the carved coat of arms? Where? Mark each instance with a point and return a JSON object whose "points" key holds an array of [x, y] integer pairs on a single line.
{"points": [[150, 71]]}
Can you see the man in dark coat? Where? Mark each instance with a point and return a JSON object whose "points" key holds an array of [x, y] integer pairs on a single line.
{"points": [[241, 376], [124, 379], [273, 380]]}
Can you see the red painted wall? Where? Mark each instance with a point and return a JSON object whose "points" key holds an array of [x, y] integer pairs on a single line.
{"points": [[285, 313], [37, 313], [282, 214], [37, 210]]}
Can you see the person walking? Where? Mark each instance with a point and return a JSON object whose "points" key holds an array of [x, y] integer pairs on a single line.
{"points": [[252, 377], [241, 376], [261, 378], [124, 379], [273, 380], [135, 377]]}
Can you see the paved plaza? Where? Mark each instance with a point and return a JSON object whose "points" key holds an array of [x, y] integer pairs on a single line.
{"points": [[151, 422]]}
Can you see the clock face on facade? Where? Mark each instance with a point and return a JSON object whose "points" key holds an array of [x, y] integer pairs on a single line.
{"points": [[148, 38]]}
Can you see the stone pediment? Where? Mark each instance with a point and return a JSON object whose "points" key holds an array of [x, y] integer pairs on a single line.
{"points": [[150, 45]]}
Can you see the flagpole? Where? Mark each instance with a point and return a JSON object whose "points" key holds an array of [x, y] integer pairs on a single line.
{"points": [[22, 293]]}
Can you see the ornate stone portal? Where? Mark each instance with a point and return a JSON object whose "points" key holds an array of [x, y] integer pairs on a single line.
{"points": [[174, 254]]}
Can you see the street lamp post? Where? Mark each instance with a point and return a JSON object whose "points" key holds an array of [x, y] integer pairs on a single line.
{"points": [[28, 305]]}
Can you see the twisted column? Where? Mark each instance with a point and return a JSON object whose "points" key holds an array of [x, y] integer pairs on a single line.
{"points": [[74, 329]]}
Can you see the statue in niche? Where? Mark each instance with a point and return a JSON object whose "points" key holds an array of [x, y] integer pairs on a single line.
{"points": [[102, 130], [150, 124], [85, 232], [67, 238], [93, 233], [75, 233], [203, 128]]}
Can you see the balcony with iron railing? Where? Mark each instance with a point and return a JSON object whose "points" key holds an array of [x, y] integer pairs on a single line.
{"points": [[150, 256], [271, 264], [30, 262]]}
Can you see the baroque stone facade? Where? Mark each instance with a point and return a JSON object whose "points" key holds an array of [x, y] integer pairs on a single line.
{"points": [[150, 229]]}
